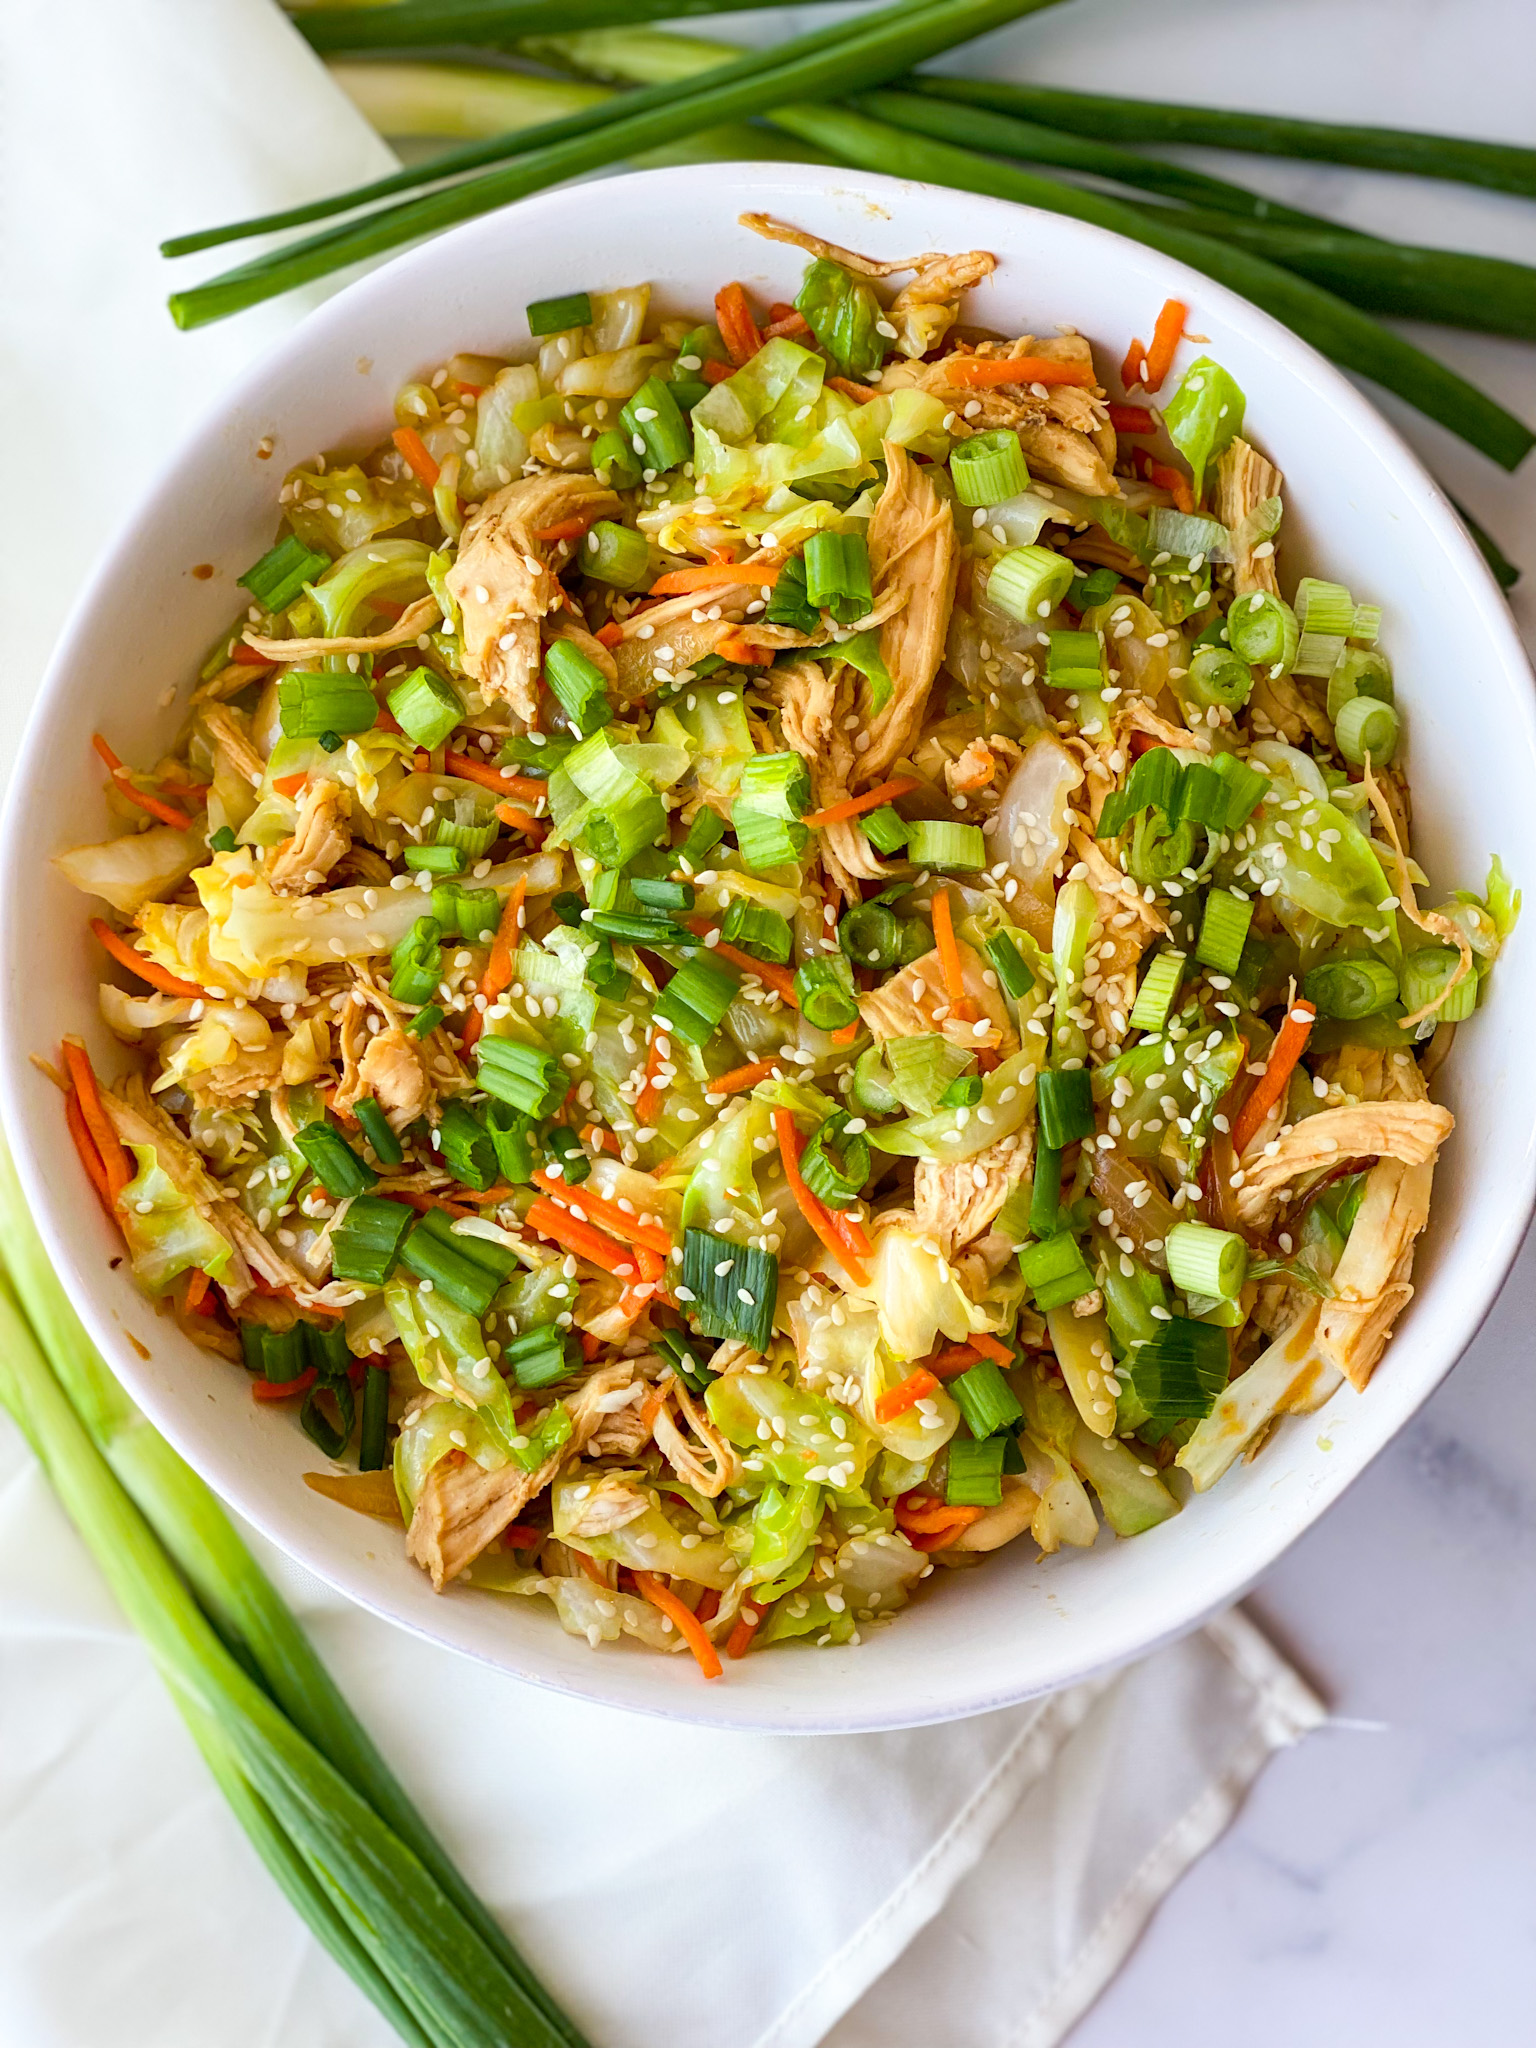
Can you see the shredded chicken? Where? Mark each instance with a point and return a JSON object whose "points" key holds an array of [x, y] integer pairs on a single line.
{"points": [[611, 1503], [1412, 1132], [1243, 481], [667, 638], [1282, 703], [923, 311], [1371, 1281], [1431, 921], [814, 710], [999, 1525], [914, 1002], [1127, 925], [503, 584], [393, 1070], [697, 1452], [912, 548], [956, 1200], [1065, 435], [416, 619], [230, 732], [322, 834]]}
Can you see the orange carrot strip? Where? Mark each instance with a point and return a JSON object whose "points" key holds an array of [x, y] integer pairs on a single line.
{"points": [[707, 574], [416, 453], [524, 785], [846, 1033], [777, 978], [145, 968], [1166, 336], [917, 1386], [954, 1358], [861, 394], [551, 1221], [598, 1209], [1130, 369], [599, 1139], [738, 330], [516, 819], [738, 647], [955, 1520], [1174, 482], [523, 1535], [820, 1220], [683, 1619], [166, 813], [611, 635], [421, 1203], [856, 806], [468, 769], [283, 1390], [991, 1347], [290, 785], [740, 1639], [85, 1145], [708, 1607], [716, 373], [248, 656], [648, 1101], [198, 1284], [982, 370], [1267, 1090], [1132, 419], [960, 1004], [568, 529], [115, 1162], [741, 1078], [785, 324], [498, 968]]}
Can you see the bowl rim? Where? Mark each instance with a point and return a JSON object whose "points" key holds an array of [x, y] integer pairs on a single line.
{"points": [[377, 291]]}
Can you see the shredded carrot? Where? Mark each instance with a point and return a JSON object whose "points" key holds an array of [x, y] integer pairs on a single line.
{"points": [[468, 769], [85, 1145], [290, 785], [599, 1139], [856, 806], [248, 657], [524, 785], [741, 1078], [861, 394], [740, 1639], [983, 370], [166, 813], [568, 529], [954, 1358], [516, 819], [523, 1535], [414, 1199], [785, 321], [993, 1348], [594, 1571], [1132, 419], [283, 1390], [738, 330], [716, 372], [551, 1221], [955, 1520], [498, 968], [1130, 369], [917, 1386], [611, 635], [960, 1004], [145, 968], [416, 453], [821, 1220], [1300, 1016], [115, 1162], [1174, 482], [676, 581], [1166, 336], [648, 1101], [777, 978], [198, 1284], [930, 1524], [683, 1619], [709, 1605], [598, 1209], [846, 1033], [739, 647]]}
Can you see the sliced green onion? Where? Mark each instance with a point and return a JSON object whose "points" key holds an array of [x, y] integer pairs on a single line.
{"points": [[1317, 654], [568, 1160], [425, 706], [1426, 971], [1245, 788], [465, 832], [530, 1080], [376, 1129], [543, 1363], [985, 1399], [535, 753], [336, 1166], [835, 1162], [1203, 796], [1219, 676], [1324, 607], [689, 1363], [1367, 623], [514, 1142], [1367, 727], [788, 604], [366, 1242], [704, 834], [1055, 1270], [1359, 672], [824, 986], [1097, 587], [1223, 928], [615, 554], [465, 1147], [738, 1302], [1159, 850], [639, 928], [1350, 986], [578, 684], [557, 316], [695, 1000], [432, 1253], [1153, 784], [1262, 629], [1013, 971], [988, 468], [1074, 660], [1206, 1261], [309, 705], [659, 892], [434, 860], [771, 798], [276, 580], [373, 1439], [1045, 1193], [274, 1355], [1029, 583], [1064, 1104], [1180, 1372], [975, 1473], [222, 841], [870, 1090], [964, 1092], [939, 843], [755, 929], [471, 913], [837, 575], [885, 829], [426, 1021], [614, 463], [331, 1437], [657, 430], [1159, 986], [870, 935]]}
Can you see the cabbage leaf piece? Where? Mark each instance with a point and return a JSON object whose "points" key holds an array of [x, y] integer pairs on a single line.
{"points": [[167, 1234]]}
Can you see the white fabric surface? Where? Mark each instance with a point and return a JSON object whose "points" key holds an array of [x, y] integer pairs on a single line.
{"points": [[974, 1884]]}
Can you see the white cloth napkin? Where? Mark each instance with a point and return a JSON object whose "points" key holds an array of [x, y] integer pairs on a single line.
{"points": [[973, 1884]]}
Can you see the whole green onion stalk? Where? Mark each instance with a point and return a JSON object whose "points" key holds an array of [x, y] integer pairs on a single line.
{"points": [[317, 1801]]}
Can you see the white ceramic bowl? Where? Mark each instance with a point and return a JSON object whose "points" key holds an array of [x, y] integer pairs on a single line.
{"points": [[1358, 508]]}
